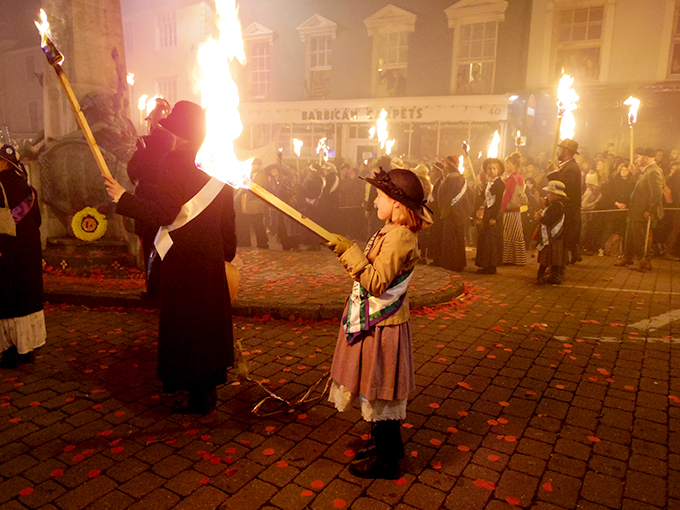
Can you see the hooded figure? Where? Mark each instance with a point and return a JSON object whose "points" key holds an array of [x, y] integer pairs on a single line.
{"points": [[195, 339]]}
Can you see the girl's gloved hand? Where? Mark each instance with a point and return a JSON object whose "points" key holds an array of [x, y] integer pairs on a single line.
{"points": [[339, 245]]}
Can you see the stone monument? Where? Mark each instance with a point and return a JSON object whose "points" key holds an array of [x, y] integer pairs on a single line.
{"points": [[89, 34]]}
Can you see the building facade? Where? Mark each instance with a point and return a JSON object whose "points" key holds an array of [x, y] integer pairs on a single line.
{"points": [[442, 71]]}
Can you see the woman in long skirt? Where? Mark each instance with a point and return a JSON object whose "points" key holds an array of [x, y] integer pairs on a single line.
{"points": [[514, 248]]}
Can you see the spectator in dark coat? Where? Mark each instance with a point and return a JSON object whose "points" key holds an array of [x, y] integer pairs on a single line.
{"points": [[490, 240], [22, 321], [569, 173]]}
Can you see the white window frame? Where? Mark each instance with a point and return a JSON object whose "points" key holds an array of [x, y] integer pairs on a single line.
{"points": [[387, 23], [316, 29], [577, 45], [166, 29], [471, 13], [553, 7], [675, 43], [257, 36], [167, 88]]}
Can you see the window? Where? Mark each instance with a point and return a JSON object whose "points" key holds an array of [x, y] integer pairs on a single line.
{"points": [[390, 28], [477, 58], [258, 40], [674, 68], [320, 53], [578, 35], [475, 40], [260, 62], [167, 29], [167, 88], [318, 33]]}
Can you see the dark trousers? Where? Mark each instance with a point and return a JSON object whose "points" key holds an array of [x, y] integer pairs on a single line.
{"points": [[256, 223], [636, 231]]}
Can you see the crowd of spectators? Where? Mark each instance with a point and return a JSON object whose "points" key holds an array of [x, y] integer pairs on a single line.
{"points": [[336, 197]]}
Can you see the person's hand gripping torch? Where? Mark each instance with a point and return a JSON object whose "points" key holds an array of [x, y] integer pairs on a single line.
{"points": [[55, 59]]}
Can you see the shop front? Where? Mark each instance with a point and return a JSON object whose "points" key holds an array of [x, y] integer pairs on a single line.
{"points": [[420, 126]]}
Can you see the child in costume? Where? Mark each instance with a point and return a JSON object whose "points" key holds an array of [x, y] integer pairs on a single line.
{"points": [[373, 361], [550, 244]]}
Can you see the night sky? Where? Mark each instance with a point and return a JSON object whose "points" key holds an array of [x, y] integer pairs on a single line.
{"points": [[16, 22]]}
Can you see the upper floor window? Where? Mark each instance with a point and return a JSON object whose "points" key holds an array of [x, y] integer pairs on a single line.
{"points": [[318, 34], [167, 88], [475, 40], [390, 28], [167, 29], [578, 32], [674, 68], [258, 40], [260, 59], [320, 52]]}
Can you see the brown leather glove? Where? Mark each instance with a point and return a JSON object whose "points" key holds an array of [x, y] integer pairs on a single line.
{"points": [[339, 245]]}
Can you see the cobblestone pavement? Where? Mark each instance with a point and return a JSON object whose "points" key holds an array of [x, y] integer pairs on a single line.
{"points": [[552, 397]]}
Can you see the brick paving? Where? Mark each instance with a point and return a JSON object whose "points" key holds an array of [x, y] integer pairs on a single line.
{"points": [[530, 397]]}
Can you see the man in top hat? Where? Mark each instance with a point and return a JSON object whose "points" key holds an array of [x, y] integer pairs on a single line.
{"points": [[645, 209], [195, 338], [569, 172]]}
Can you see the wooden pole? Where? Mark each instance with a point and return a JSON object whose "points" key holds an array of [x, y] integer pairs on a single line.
{"points": [[286, 209], [632, 147]]}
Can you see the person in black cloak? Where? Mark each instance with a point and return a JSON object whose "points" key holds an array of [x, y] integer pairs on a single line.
{"points": [[195, 337], [22, 320], [490, 240]]}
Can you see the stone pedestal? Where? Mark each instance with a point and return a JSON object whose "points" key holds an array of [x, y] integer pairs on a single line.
{"points": [[89, 33]]}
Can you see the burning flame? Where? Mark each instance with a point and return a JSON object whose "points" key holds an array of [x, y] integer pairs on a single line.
{"points": [[461, 164], [388, 146], [632, 111], [43, 28], [297, 145], [146, 104], [493, 147], [322, 149], [566, 104], [131, 78], [219, 96]]}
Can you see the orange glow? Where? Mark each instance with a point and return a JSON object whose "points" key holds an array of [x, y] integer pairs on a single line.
{"points": [[220, 98], [493, 147], [566, 104], [43, 28], [297, 146], [634, 104]]}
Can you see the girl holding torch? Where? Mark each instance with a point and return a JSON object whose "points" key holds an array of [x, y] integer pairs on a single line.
{"points": [[373, 361]]}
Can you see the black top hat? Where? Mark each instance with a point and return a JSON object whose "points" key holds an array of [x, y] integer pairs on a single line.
{"points": [[403, 186], [569, 144], [187, 120]]}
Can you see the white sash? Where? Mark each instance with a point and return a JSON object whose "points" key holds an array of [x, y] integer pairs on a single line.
{"points": [[457, 198], [188, 212]]}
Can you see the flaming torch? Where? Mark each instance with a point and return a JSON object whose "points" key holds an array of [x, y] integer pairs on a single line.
{"points": [[566, 104], [493, 146], [220, 97], [634, 104], [322, 150], [55, 59], [380, 129], [297, 147]]}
